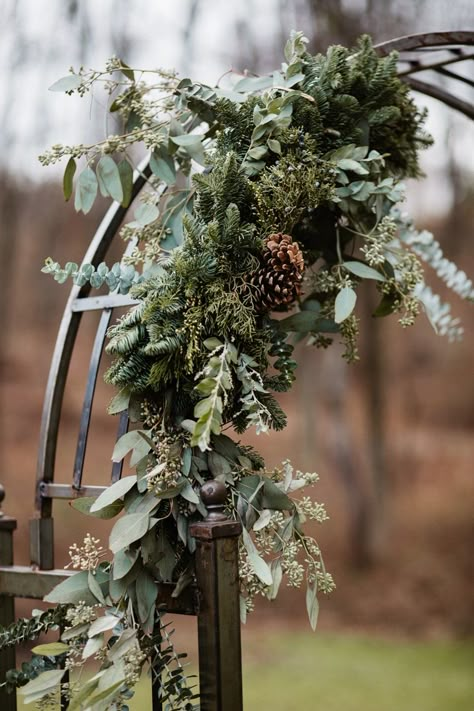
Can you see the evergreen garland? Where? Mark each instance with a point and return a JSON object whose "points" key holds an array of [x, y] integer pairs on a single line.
{"points": [[251, 185]]}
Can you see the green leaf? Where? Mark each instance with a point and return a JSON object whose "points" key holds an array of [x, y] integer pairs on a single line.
{"points": [[146, 214], [94, 587], [126, 71], [67, 83], [147, 591], [274, 146], [258, 152], [125, 444], [114, 492], [43, 684], [344, 304], [260, 567], [212, 343], [68, 178], [304, 321], [124, 560], [84, 503], [192, 144], [128, 529], [312, 605], [352, 165], [102, 624], [162, 165], [76, 588], [80, 696], [128, 639], [277, 575], [363, 270], [120, 402], [92, 646], [126, 179], [109, 178], [76, 631], [53, 649], [253, 84], [188, 493], [218, 465], [102, 695], [275, 498], [86, 191]]}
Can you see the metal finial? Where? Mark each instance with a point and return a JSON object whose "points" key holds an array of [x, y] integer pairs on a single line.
{"points": [[214, 494]]}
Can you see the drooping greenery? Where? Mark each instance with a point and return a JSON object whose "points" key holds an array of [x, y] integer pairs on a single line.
{"points": [[249, 184]]}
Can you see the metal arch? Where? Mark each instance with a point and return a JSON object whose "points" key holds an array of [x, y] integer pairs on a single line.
{"points": [[421, 53], [425, 40], [66, 339]]}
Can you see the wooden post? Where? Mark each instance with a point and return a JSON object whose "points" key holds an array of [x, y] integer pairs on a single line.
{"points": [[217, 576], [7, 605]]}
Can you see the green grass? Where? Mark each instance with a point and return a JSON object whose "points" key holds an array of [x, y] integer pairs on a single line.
{"points": [[355, 674], [299, 672]]}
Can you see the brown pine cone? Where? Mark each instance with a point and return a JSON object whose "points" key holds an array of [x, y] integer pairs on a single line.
{"points": [[278, 281]]}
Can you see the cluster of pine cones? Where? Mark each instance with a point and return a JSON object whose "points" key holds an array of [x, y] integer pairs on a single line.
{"points": [[278, 281]]}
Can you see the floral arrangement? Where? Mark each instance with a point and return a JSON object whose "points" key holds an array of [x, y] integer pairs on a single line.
{"points": [[270, 195]]}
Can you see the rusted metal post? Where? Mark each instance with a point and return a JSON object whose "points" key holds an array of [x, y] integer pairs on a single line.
{"points": [[7, 605], [217, 576]]}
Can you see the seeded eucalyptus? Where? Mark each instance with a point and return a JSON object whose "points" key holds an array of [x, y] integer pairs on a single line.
{"points": [[274, 193]]}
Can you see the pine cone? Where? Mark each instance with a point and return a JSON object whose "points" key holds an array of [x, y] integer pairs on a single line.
{"points": [[278, 281]]}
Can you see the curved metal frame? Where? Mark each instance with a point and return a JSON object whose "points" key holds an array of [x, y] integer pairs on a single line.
{"points": [[417, 52]]}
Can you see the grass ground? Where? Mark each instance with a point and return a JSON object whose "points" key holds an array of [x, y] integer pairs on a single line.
{"points": [[299, 672]]}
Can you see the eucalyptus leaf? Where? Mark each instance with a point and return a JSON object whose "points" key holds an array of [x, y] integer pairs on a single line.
{"points": [[92, 646], [94, 587], [67, 83], [147, 591], [120, 402], [44, 683], [86, 191], [76, 588], [124, 561], [260, 567], [109, 178], [251, 84], [114, 492], [128, 529], [312, 605], [126, 179], [344, 304], [52, 649], [84, 503], [103, 624], [162, 165], [145, 214], [363, 270], [68, 178]]}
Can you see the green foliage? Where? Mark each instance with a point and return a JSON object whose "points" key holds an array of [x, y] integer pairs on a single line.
{"points": [[315, 151], [119, 278]]}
